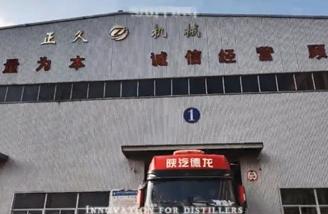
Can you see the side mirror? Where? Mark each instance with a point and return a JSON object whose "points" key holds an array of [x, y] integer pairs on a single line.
{"points": [[141, 195], [242, 196]]}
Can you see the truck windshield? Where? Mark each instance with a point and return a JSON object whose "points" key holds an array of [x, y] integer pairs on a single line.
{"points": [[189, 191]]}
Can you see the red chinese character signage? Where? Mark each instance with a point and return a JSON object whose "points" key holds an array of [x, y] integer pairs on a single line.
{"points": [[11, 66], [159, 59], [77, 63], [190, 161], [193, 162], [227, 56], [44, 63], [265, 53], [317, 51], [193, 57]]}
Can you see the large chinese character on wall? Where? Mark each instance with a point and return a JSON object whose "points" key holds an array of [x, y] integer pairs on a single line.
{"points": [[44, 63], [77, 63], [159, 59], [317, 51], [11, 66]]}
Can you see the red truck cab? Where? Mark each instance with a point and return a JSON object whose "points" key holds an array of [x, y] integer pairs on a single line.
{"points": [[189, 179]]}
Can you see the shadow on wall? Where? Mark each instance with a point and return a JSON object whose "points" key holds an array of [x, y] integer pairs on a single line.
{"points": [[135, 166], [256, 161], [2, 164], [3, 161]]}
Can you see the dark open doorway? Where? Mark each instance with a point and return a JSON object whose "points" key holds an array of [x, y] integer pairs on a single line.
{"points": [[232, 151]]}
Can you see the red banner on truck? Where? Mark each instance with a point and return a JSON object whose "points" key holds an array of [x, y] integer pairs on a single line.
{"points": [[189, 161]]}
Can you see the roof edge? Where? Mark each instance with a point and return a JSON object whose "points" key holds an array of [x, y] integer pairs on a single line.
{"points": [[142, 152], [168, 14], [244, 145]]}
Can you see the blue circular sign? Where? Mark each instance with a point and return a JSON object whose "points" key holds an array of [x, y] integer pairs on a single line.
{"points": [[191, 115]]}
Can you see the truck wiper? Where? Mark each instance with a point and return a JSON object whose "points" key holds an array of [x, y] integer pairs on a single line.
{"points": [[207, 203], [168, 202]]}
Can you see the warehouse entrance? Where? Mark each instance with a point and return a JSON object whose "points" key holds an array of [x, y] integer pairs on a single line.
{"points": [[215, 184], [233, 152]]}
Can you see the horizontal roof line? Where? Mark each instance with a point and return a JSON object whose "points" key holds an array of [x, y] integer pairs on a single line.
{"points": [[193, 146], [143, 152], [169, 14]]}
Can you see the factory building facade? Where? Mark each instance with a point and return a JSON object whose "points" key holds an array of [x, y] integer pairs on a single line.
{"points": [[85, 103]]}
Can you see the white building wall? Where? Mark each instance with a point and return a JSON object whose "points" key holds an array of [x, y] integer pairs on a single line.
{"points": [[75, 146], [130, 59]]}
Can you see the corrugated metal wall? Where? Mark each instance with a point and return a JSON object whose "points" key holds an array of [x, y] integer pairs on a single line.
{"points": [[75, 146]]}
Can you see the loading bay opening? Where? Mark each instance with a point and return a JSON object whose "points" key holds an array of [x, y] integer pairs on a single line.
{"points": [[233, 152]]}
